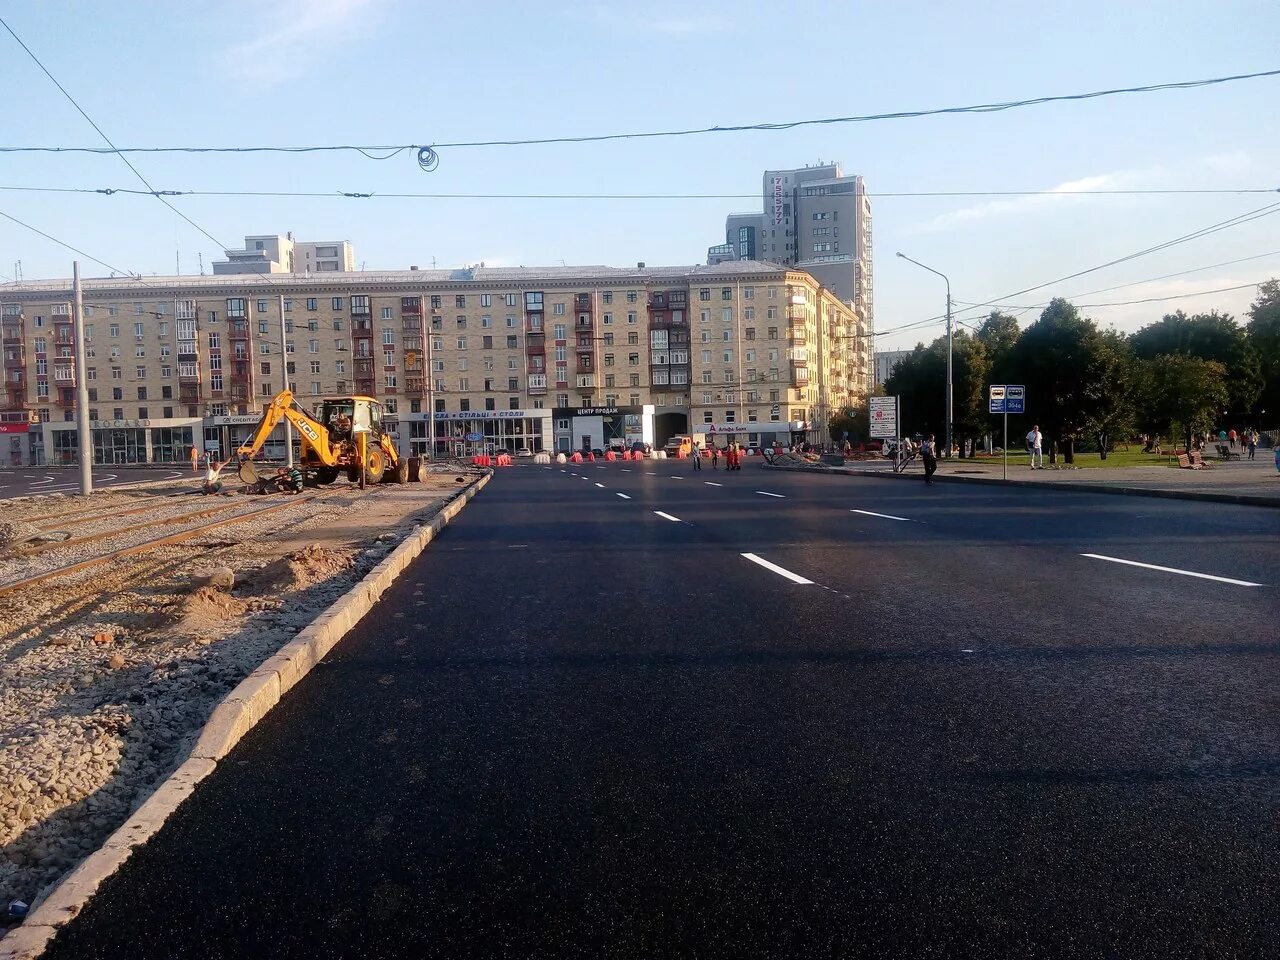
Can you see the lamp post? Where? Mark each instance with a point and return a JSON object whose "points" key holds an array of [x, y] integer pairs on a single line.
{"points": [[950, 410]]}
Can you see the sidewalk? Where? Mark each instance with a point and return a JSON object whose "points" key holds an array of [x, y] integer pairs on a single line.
{"points": [[1239, 481]]}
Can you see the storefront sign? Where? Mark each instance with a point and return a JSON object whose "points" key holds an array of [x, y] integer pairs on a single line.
{"points": [[594, 411], [14, 427], [240, 420], [482, 415], [777, 201], [118, 424]]}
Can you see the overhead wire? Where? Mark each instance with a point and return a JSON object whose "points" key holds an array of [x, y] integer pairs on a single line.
{"points": [[428, 157]]}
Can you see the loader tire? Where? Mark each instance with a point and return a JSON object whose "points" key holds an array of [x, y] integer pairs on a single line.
{"points": [[326, 475], [375, 465]]}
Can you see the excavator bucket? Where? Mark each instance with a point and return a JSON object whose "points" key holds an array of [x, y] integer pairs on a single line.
{"points": [[248, 472]]}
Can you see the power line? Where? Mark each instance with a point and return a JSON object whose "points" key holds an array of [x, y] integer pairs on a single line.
{"points": [[428, 158], [102, 133], [375, 195], [1194, 235], [63, 243]]}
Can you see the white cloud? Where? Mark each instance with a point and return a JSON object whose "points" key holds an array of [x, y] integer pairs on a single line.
{"points": [[641, 21], [1062, 193], [296, 38]]}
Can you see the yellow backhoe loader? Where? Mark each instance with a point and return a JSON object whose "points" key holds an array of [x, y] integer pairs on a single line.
{"points": [[348, 437]]}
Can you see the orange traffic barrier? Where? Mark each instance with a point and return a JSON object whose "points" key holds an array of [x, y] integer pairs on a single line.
{"points": [[577, 456], [611, 456]]}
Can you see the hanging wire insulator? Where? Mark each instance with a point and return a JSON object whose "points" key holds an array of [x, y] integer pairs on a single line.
{"points": [[428, 159]]}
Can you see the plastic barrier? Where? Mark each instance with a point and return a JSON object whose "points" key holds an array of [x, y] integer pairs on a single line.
{"points": [[542, 457], [611, 456], [659, 454], [561, 458], [577, 457], [591, 456]]}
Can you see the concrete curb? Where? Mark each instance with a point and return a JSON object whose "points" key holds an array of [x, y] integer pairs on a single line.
{"points": [[236, 715], [1236, 498]]}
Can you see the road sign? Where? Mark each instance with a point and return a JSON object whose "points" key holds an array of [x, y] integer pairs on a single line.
{"points": [[474, 437], [1015, 397], [884, 417]]}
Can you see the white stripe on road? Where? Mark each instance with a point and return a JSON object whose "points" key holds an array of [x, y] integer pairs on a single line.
{"points": [[676, 477], [625, 470], [712, 483], [624, 496], [886, 516], [766, 493], [600, 485], [1185, 573], [667, 516], [793, 577]]}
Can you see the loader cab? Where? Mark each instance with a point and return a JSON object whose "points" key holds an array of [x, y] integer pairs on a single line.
{"points": [[345, 416]]}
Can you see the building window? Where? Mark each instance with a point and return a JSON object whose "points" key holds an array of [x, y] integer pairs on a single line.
{"points": [[460, 301], [704, 294], [510, 300], [486, 300], [558, 309], [462, 323], [608, 319], [631, 316], [607, 296], [631, 296], [386, 313]]}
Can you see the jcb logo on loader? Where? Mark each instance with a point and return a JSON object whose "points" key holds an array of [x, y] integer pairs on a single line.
{"points": [[309, 431]]}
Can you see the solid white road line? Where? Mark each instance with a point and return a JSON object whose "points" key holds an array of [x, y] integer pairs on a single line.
{"points": [[624, 496], [667, 516], [1185, 573], [600, 485], [886, 516], [625, 470], [712, 483], [793, 577], [766, 493], [675, 477]]}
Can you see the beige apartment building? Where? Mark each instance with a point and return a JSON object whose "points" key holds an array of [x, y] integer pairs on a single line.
{"points": [[545, 358]]}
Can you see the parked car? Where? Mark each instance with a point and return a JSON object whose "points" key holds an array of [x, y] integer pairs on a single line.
{"points": [[641, 448], [523, 452]]}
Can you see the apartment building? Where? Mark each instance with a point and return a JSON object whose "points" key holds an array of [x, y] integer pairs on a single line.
{"points": [[544, 358], [814, 219]]}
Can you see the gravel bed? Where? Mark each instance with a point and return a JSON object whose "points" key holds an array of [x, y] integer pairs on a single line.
{"points": [[106, 681]]}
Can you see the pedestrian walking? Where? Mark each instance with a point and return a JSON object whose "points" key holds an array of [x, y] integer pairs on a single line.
{"points": [[715, 456], [1231, 439], [1035, 447], [195, 460], [929, 459], [697, 456], [1253, 443]]}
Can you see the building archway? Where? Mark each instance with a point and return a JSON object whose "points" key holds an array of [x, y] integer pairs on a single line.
{"points": [[668, 424]]}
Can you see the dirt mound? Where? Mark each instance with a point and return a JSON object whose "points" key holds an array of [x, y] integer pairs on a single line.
{"points": [[301, 569], [204, 609]]}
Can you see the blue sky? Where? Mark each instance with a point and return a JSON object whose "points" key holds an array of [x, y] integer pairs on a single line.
{"points": [[395, 71]]}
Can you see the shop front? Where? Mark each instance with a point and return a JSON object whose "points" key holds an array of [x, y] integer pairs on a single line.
{"points": [[755, 433], [15, 443], [224, 435], [123, 442], [463, 433], [598, 428]]}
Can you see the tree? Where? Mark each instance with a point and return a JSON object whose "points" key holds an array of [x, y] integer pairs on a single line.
{"points": [[971, 369], [1185, 394], [998, 333], [1264, 336], [1209, 336], [1119, 387], [844, 423], [1059, 359], [920, 381]]}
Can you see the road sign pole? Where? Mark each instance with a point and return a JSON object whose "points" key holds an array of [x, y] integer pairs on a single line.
{"points": [[1006, 443]]}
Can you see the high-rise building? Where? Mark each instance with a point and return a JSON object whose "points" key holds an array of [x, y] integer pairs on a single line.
{"points": [[885, 363], [814, 219], [273, 253], [549, 358]]}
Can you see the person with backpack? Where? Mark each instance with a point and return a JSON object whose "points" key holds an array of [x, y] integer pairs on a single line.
{"points": [[929, 458]]}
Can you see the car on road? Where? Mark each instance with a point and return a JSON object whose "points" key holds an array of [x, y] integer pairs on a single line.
{"points": [[523, 452]]}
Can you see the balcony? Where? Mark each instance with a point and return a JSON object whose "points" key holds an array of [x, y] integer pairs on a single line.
{"points": [[360, 309], [583, 322], [537, 383], [189, 393], [798, 334], [415, 385], [362, 328], [364, 386], [411, 305], [586, 363], [585, 381], [535, 367], [238, 331], [535, 349], [411, 324], [12, 333], [800, 374]]}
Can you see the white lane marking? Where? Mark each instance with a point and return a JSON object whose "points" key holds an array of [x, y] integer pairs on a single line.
{"points": [[667, 516], [1185, 573], [47, 479], [886, 516], [564, 471], [600, 485], [624, 496], [712, 483], [625, 470], [674, 477], [793, 577], [766, 493]]}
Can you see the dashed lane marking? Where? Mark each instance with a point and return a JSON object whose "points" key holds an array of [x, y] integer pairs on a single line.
{"points": [[780, 571], [766, 493], [624, 496], [885, 516], [667, 516], [600, 485], [712, 483], [1184, 573]]}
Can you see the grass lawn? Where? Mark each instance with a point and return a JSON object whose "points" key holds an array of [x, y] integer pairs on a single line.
{"points": [[1133, 457]]}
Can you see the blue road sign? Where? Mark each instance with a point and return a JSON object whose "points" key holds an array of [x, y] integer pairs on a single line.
{"points": [[474, 437], [1015, 398]]}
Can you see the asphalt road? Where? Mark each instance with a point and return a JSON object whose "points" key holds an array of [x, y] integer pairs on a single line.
{"points": [[579, 728], [36, 481]]}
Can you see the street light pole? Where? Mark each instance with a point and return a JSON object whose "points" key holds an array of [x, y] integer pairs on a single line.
{"points": [[950, 391]]}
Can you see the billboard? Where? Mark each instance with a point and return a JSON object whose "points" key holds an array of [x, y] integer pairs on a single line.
{"points": [[777, 201]]}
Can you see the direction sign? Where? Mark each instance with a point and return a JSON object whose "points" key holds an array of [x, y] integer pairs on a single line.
{"points": [[884, 417], [474, 437]]}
